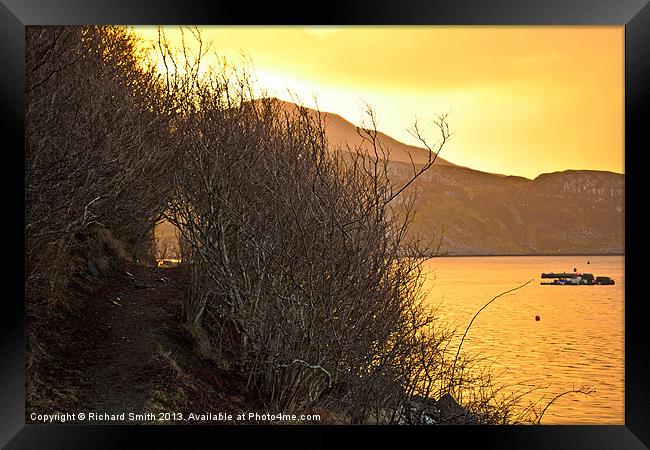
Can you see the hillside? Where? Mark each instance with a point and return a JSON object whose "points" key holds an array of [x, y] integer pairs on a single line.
{"points": [[571, 212], [340, 132], [479, 213]]}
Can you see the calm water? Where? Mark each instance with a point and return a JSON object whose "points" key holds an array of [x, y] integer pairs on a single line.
{"points": [[579, 339]]}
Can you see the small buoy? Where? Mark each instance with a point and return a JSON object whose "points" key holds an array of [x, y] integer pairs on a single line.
{"points": [[588, 262], [537, 318]]}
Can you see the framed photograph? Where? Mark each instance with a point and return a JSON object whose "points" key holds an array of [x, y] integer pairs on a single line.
{"points": [[385, 219]]}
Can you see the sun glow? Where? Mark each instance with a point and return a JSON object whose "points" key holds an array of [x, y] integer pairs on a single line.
{"points": [[522, 100]]}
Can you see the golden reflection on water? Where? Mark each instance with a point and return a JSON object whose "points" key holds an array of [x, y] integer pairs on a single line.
{"points": [[579, 339]]}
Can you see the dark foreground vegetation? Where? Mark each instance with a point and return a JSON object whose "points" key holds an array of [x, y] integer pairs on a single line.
{"points": [[298, 292]]}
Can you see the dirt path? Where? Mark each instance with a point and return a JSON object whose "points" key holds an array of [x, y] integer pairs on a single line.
{"points": [[125, 321]]}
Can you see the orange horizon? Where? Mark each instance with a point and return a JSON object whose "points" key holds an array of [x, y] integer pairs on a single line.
{"points": [[521, 100]]}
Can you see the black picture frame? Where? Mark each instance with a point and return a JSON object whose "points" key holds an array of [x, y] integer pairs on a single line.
{"points": [[633, 14]]}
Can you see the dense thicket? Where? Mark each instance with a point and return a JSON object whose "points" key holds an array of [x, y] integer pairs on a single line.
{"points": [[98, 146], [99, 159], [295, 256]]}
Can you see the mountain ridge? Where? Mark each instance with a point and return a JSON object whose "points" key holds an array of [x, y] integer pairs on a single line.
{"points": [[573, 211]]}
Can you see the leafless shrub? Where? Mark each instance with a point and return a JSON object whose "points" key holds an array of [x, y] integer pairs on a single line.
{"points": [[295, 252], [101, 140], [98, 146]]}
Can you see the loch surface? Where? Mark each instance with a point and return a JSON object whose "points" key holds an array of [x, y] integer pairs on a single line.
{"points": [[578, 340]]}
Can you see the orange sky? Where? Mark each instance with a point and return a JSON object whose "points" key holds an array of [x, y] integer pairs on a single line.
{"points": [[522, 100]]}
